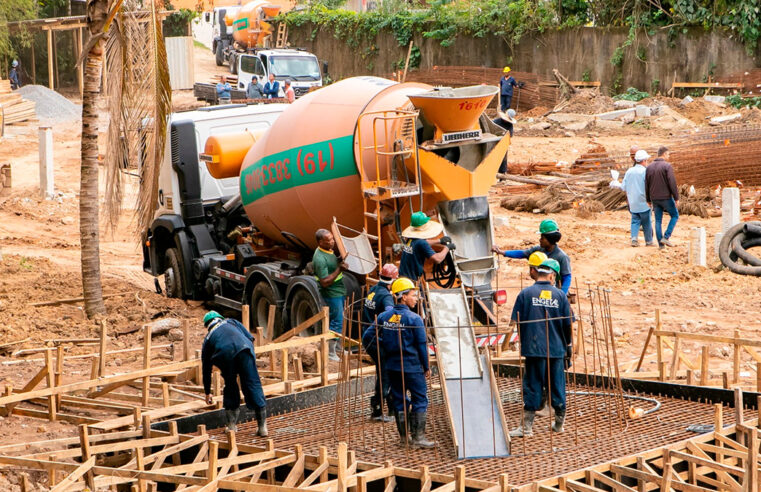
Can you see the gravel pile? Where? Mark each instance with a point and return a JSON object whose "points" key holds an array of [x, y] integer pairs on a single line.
{"points": [[51, 105]]}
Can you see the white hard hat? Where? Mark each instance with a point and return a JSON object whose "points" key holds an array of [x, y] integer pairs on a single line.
{"points": [[641, 155], [15, 63]]}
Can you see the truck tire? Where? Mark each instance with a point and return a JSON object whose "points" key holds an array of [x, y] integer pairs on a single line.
{"points": [[219, 55], [173, 277], [262, 297], [302, 307], [233, 64]]}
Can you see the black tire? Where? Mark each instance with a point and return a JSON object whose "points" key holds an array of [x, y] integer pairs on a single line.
{"points": [[233, 64], [173, 275], [303, 306], [262, 297], [725, 248], [219, 55]]}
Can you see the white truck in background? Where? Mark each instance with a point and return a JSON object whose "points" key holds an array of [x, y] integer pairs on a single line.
{"points": [[210, 27]]}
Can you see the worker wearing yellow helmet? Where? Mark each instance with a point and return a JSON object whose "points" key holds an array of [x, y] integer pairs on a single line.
{"points": [[535, 261], [405, 355], [506, 85]]}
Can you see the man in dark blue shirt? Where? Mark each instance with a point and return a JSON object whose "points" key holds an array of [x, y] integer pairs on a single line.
{"points": [[271, 88], [229, 346], [506, 85], [543, 315], [405, 352], [419, 246], [378, 301], [14, 75], [549, 236]]}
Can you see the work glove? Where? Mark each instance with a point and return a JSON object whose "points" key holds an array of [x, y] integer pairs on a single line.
{"points": [[568, 356], [447, 241], [521, 85]]}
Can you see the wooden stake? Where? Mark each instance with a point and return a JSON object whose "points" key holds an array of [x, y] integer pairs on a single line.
{"points": [[140, 458], [146, 363], [750, 480], [58, 374], [284, 365], [51, 384], [298, 368], [736, 358], [459, 478], [245, 317], [186, 339], [739, 419], [324, 347], [323, 459], [704, 365], [341, 469], [52, 475], [102, 357], [211, 474], [25, 487], [271, 322], [718, 426], [50, 60], [644, 348], [94, 365], [84, 444], [165, 394]]}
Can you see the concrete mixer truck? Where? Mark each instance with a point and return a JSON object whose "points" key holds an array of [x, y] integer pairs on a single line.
{"points": [[246, 45], [244, 188]]}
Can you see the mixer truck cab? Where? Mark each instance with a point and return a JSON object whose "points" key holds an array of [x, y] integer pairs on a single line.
{"points": [[299, 66]]}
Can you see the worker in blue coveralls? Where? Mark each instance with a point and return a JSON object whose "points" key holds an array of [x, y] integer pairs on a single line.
{"points": [[549, 236], [229, 346], [378, 301], [405, 352], [543, 314], [420, 245]]}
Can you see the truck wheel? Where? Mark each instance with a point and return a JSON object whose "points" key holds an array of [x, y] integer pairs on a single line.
{"points": [[302, 307], [262, 297], [219, 55], [172, 274]]}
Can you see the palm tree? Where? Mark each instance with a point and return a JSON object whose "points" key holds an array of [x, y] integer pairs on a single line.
{"points": [[139, 102]]}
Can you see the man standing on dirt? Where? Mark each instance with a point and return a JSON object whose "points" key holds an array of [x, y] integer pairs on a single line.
{"points": [[506, 85], [549, 236], [329, 268], [405, 349], [229, 346], [662, 192], [634, 186], [543, 315], [378, 301]]}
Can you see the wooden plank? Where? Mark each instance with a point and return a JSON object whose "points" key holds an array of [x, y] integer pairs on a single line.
{"points": [[289, 344], [73, 300], [615, 484], [29, 387], [698, 337], [644, 348], [82, 385], [108, 448], [726, 477], [302, 326], [706, 85]]}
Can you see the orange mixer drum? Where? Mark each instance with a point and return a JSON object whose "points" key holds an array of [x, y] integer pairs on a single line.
{"points": [[249, 27], [303, 171]]}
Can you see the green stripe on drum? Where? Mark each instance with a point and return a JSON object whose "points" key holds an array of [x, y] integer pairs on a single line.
{"points": [[313, 163], [240, 24]]}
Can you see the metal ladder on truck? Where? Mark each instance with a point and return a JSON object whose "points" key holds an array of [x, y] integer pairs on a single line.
{"points": [[397, 169]]}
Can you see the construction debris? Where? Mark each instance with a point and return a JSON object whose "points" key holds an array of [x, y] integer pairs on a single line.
{"points": [[15, 108]]}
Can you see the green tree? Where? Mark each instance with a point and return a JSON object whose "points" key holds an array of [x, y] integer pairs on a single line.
{"points": [[11, 11]]}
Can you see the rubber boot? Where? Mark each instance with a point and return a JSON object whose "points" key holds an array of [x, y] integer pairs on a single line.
{"points": [[332, 355], [261, 421], [559, 420], [231, 419], [527, 429], [378, 415], [401, 427], [418, 431]]}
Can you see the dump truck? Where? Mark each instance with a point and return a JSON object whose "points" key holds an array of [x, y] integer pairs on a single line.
{"points": [[248, 48], [358, 156]]}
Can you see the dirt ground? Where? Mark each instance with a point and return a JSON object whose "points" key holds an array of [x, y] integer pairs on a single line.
{"points": [[39, 241]]}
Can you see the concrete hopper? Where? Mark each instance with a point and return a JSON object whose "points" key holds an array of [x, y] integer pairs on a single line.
{"points": [[454, 111]]}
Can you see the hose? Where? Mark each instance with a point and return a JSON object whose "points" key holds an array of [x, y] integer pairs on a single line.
{"points": [[630, 397], [734, 245]]}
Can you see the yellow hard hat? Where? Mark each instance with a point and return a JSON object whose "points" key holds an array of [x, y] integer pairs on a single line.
{"points": [[402, 284], [536, 258], [506, 69]]}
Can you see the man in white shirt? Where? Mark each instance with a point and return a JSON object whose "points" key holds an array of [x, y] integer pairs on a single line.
{"points": [[634, 186]]}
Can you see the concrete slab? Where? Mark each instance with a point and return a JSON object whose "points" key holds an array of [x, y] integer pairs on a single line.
{"points": [[642, 111], [628, 118], [718, 100], [569, 117], [718, 120], [610, 124], [623, 104], [614, 115]]}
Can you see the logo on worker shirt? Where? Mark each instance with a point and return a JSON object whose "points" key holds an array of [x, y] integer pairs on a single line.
{"points": [[370, 302], [407, 248], [545, 300]]}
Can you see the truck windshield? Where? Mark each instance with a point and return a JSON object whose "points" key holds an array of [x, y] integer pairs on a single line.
{"points": [[295, 67]]}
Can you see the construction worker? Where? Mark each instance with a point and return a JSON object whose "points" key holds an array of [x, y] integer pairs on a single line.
{"points": [[378, 301], [420, 245], [634, 186], [549, 236], [224, 91], [405, 352], [329, 268], [506, 85], [14, 76], [543, 314], [229, 346]]}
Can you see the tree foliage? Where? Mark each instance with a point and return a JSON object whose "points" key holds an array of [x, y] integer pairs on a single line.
{"points": [[10, 11]]}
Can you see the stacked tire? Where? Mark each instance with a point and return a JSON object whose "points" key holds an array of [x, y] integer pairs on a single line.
{"points": [[734, 246]]}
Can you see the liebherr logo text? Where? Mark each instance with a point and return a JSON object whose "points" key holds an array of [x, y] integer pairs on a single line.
{"points": [[549, 303]]}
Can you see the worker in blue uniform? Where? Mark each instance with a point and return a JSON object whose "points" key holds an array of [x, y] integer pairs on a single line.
{"points": [[420, 245], [229, 346], [378, 301], [549, 236], [405, 352], [543, 314], [506, 85]]}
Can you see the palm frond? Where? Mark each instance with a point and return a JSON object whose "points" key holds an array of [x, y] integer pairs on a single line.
{"points": [[117, 153]]}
